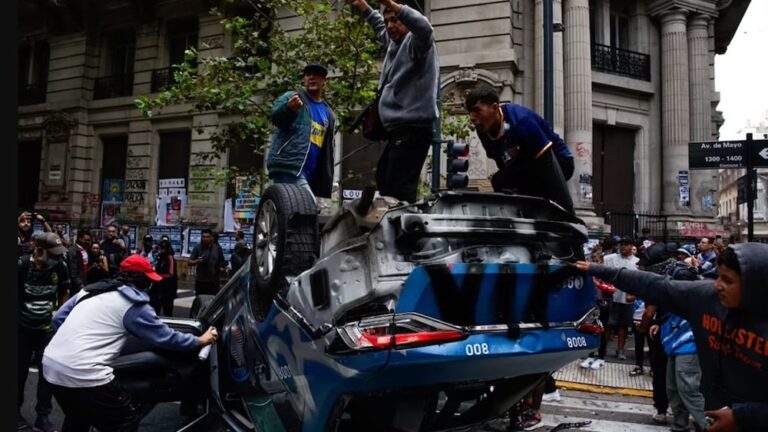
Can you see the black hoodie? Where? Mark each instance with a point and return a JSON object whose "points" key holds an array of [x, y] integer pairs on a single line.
{"points": [[732, 343]]}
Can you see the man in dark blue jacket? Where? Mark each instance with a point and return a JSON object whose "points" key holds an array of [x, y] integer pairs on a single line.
{"points": [[729, 320], [301, 147], [531, 156]]}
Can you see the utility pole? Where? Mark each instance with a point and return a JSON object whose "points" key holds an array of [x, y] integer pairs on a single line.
{"points": [[549, 115], [750, 191]]}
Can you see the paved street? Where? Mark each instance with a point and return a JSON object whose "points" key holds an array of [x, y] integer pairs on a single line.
{"points": [[608, 398]]}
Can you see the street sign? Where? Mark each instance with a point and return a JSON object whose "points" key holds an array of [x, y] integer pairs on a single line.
{"points": [[717, 154], [741, 189], [760, 153]]}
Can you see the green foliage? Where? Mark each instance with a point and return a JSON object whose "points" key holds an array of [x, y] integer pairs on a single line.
{"points": [[265, 61]]}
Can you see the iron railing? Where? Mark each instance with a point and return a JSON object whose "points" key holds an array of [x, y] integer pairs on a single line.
{"points": [[633, 224], [113, 86], [32, 94], [619, 61], [162, 79]]}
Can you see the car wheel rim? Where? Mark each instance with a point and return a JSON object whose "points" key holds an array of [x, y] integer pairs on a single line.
{"points": [[266, 239]]}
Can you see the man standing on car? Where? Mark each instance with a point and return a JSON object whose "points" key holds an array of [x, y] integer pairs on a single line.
{"points": [[301, 147], [408, 89], [91, 330], [531, 157], [208, 257]]}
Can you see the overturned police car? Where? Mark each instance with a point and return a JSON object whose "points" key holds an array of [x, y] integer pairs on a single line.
{"points": [[431, 316]]}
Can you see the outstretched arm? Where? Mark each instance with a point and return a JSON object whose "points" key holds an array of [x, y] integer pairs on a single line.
{"points": [[418, 24], [673, 296]]}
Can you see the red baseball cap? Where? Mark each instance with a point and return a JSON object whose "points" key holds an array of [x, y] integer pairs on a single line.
{"points": [[138, 263]]}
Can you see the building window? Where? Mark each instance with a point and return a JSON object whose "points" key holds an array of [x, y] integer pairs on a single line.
{"points": [[114, 159], [121, 52], [181, 35], [28, 178], [33, 72], [174, 156]]}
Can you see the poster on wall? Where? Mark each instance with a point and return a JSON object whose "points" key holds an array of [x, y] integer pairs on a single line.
{"points": [[247, 201], [174, 234], [684, 195], [113, 189], [110, 213], [170, 209]]}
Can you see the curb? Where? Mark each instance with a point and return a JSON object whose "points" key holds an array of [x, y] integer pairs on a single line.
{"points": [[603, 390]]}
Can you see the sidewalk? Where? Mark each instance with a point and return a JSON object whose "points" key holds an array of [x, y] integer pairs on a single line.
{"points": [[613, 378]]}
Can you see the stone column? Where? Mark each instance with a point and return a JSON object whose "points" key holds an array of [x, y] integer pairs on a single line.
{"points": [[675, 105], [578, 105], [702, 184]]}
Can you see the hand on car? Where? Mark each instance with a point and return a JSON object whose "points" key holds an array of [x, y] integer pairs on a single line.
{"points": [[209, 336], [653, 331]]}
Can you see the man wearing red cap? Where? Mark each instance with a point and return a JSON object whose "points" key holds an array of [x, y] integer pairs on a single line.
{"points": [[91, 330]]}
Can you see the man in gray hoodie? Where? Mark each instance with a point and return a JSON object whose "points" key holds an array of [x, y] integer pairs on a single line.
{"points": [[729, 320], [408, 89]]}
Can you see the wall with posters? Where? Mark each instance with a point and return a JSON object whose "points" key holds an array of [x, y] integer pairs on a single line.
{"points": [[174, 234]]}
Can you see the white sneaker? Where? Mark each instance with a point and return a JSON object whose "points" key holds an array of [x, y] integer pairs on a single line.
{"points": [[551, 397], [588, 362], [597, 364]]}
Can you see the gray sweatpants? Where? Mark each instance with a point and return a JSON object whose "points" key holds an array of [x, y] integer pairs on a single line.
{"points": [[683, 379]]}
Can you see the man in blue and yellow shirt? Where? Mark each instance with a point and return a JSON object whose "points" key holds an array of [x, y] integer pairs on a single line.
{"points": [[301, 147], [531, 156]]}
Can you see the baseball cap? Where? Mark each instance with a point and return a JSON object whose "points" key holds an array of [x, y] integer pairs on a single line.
{"points": [[138, 263], [684, 251], [51, 242], [316, 67], [625, 240]]}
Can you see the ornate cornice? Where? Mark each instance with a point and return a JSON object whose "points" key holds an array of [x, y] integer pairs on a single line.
{"points": [[659, 8]]}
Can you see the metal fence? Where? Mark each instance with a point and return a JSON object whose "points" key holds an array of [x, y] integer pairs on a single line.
{"points": [[634, 224]]}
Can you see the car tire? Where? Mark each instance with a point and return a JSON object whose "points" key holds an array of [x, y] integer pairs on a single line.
{"points": [[286, 243]]}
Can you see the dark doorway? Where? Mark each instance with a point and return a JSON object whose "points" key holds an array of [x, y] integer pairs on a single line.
{"points": [[613, 169], [174, 156], [28, 177]]}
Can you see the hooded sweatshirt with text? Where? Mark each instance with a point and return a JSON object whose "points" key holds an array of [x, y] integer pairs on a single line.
{"points": [[732, 343]]}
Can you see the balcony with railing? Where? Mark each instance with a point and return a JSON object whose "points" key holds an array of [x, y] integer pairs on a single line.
{"points": [[622, 62], [113, 86], [32, 94]]}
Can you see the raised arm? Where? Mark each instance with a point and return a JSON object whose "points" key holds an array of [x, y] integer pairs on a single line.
{"points": [[419, 26], [374, 18]]}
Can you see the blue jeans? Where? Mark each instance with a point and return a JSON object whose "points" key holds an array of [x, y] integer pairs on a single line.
{"points": [[299, 181]]}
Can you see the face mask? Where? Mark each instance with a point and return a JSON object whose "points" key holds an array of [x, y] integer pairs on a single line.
{"points": [[143, 284]]}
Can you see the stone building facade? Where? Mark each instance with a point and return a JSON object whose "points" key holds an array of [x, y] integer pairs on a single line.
{"points": [[634, 83]]}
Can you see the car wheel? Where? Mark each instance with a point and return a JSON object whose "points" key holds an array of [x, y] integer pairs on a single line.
{"points": [[285, 243]]}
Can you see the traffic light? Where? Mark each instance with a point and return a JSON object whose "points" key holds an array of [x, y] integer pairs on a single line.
{"points": [[457, 165]]}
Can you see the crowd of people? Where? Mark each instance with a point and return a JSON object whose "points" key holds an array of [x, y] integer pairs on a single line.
{"points": [[55, 273], [700, 308]]}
